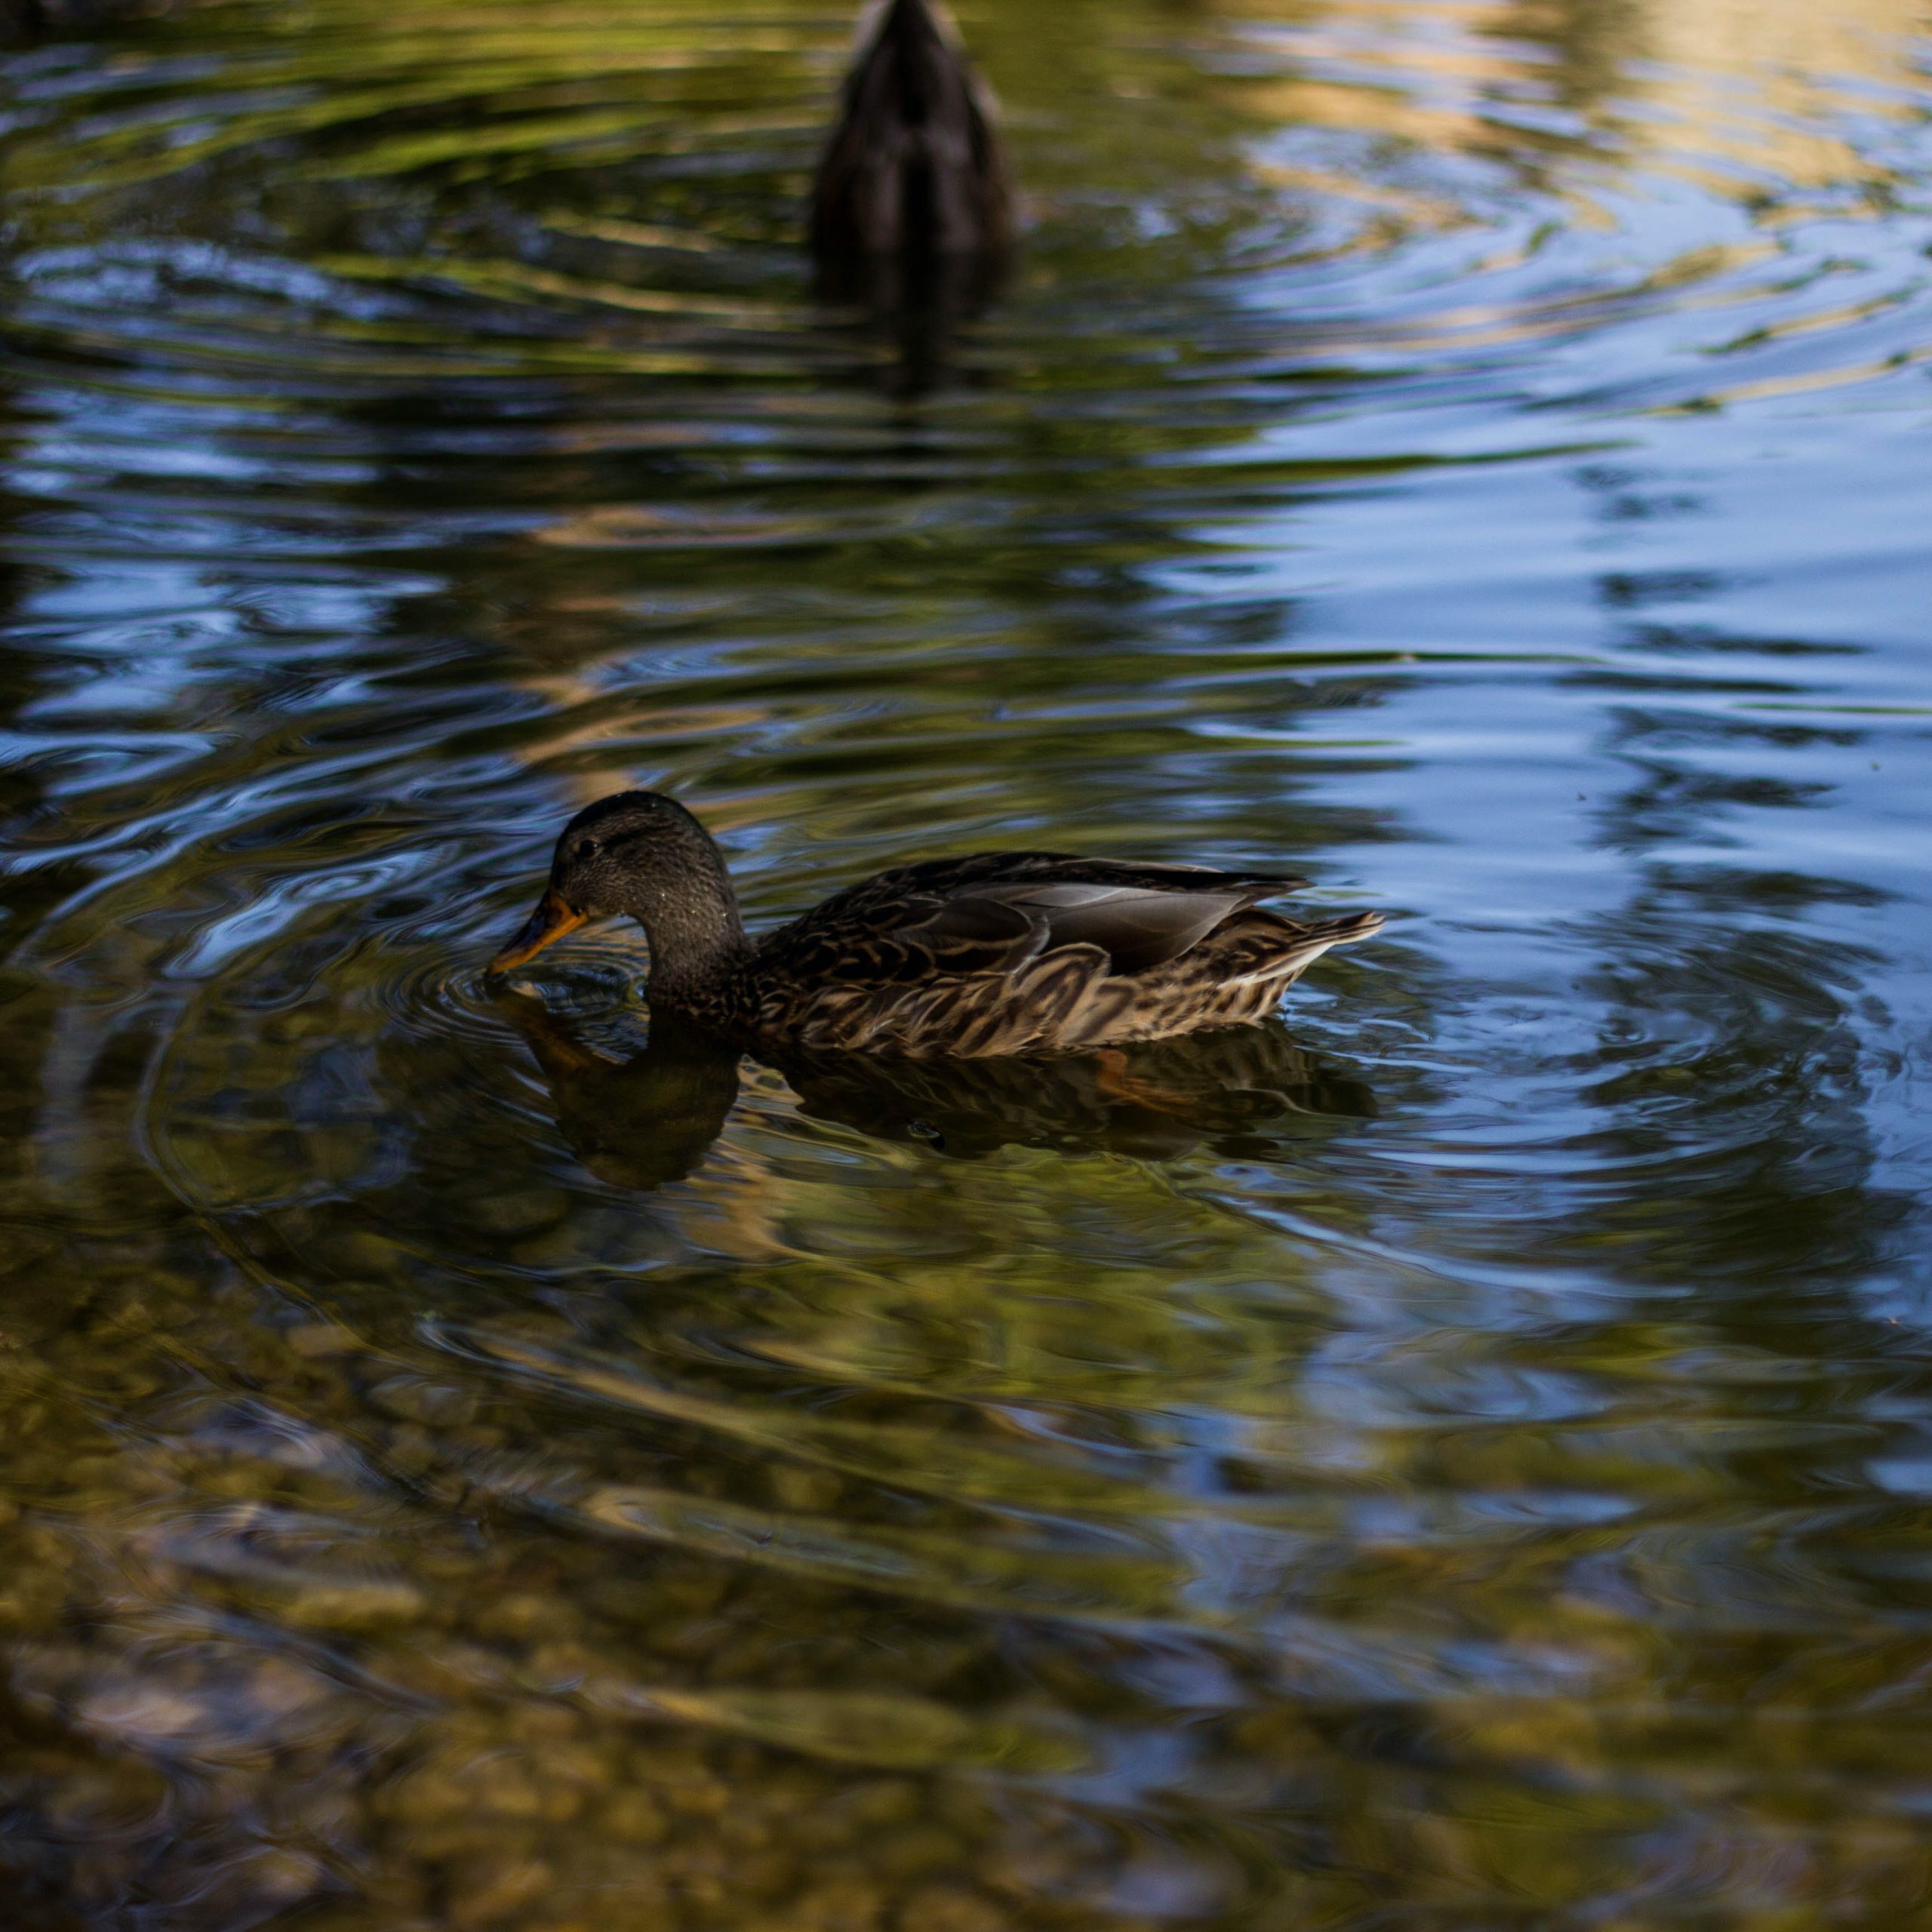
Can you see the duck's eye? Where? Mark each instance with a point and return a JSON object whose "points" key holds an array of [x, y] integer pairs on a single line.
{"points": [[587, 848]]}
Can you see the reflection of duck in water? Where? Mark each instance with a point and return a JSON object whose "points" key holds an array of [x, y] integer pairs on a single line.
{"points": [[1235, 1087], [1002, 952], [912, 209], [647, 1121], [639, 1122]]}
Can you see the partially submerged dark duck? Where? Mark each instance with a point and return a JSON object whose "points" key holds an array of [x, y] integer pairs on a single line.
{"points": [[913, 193], [1002, 952]]}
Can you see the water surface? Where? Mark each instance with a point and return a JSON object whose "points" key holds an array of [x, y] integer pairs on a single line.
{"points": [[464, 1462]]}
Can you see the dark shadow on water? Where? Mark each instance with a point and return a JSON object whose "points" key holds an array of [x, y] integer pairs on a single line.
{"points": [[639, 1123], [917, 309], [648, 1120], [1240, 1090], [26, 23]]}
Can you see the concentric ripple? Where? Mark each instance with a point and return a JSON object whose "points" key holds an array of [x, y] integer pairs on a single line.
{"points": [[471, 1458]]}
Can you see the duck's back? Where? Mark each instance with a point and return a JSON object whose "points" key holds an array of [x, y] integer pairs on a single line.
{"points": [[914, 168], [1009, 952]]}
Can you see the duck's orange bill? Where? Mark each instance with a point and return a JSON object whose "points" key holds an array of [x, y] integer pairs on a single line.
{"points": [[548, 924]]}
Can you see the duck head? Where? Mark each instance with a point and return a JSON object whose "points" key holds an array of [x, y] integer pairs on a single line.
{"points": [[642, 855]]}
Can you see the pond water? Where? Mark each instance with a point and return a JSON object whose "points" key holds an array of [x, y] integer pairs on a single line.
{"points": [[1459, 1458]]}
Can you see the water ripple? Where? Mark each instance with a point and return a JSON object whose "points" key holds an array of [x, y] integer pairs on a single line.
{"points": [[467, 1458]]}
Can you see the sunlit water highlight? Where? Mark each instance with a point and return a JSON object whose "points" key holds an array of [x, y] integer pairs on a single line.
{"points": [[1462, 1462]]}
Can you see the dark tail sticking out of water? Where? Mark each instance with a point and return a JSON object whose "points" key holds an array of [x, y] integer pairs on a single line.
{"points": [[914, 198]]}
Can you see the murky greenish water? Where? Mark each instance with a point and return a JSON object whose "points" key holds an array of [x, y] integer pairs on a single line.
{"points": [[1464, 1462]]}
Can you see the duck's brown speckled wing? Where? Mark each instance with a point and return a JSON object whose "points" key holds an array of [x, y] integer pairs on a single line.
{"points": [[1001, 952]]}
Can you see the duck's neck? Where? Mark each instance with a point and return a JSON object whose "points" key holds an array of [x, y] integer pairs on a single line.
{"points": [[689, 914]]}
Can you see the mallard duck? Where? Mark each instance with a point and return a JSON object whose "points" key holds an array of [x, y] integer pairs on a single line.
{"points": [[1002, 952], [915, 173]]}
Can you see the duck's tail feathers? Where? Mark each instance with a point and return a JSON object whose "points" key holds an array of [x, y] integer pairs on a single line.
{"points": [[916, 168], [1309, 943]]}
